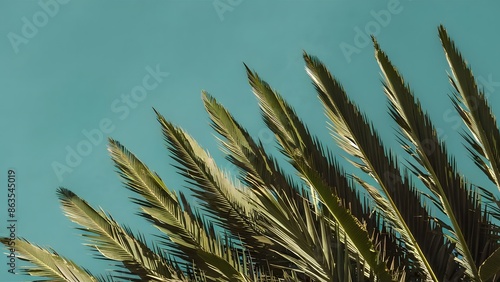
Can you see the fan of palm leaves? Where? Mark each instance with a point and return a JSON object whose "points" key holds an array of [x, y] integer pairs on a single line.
{"points": [[320, 223]]}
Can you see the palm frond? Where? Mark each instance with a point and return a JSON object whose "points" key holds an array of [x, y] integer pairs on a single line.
{"points": [[160, 205], [48, 263], [114, 242], [483, 137], [490, 268], [402, 204], [290, 223], [200, 243], [468, 229], [223, 201], [471, 103], [297, 144], [258, 169], [298, 233]]}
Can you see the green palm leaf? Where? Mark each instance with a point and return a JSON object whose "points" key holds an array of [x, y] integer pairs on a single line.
{"points": [[222, 200], [162, 207], [477, 115], [114, 242], [441, 177], [291, 134], [402, 201], [483, 137], [196, 237], [49, 264], [259, 169], [490, 268]]}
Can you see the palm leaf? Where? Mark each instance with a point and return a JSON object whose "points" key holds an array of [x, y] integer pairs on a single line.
{"points": [[468, 229], [490, 268], [300, 234], [260, 172], [402, 204], [223, 201], [114, 242], [196, 238], [477, 115], [483, 136], [296, 144], [48, 263]]}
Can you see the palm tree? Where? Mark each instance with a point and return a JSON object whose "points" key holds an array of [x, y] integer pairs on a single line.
{"points": [[423, 221]]}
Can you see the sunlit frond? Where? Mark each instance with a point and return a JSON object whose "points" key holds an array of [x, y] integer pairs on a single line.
{"points": [[48, 263], [114, 242]]}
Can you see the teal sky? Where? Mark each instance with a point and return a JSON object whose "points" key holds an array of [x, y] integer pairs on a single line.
{"points": [[67, 68]]}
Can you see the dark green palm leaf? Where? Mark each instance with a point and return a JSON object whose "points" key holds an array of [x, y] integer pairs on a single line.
{"points": [[484, 136]]}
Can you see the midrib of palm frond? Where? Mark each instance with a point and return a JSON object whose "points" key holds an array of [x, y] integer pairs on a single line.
{"points": [[282, 120], [48, 263], [112, 241], [443, 180]]}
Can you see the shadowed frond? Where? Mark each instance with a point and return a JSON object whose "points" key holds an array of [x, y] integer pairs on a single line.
{"points": [[490, 268], [48, 263], [483, 136]]}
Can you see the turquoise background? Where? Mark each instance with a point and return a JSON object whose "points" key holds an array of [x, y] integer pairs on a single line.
{"points": [[66, 78]]}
